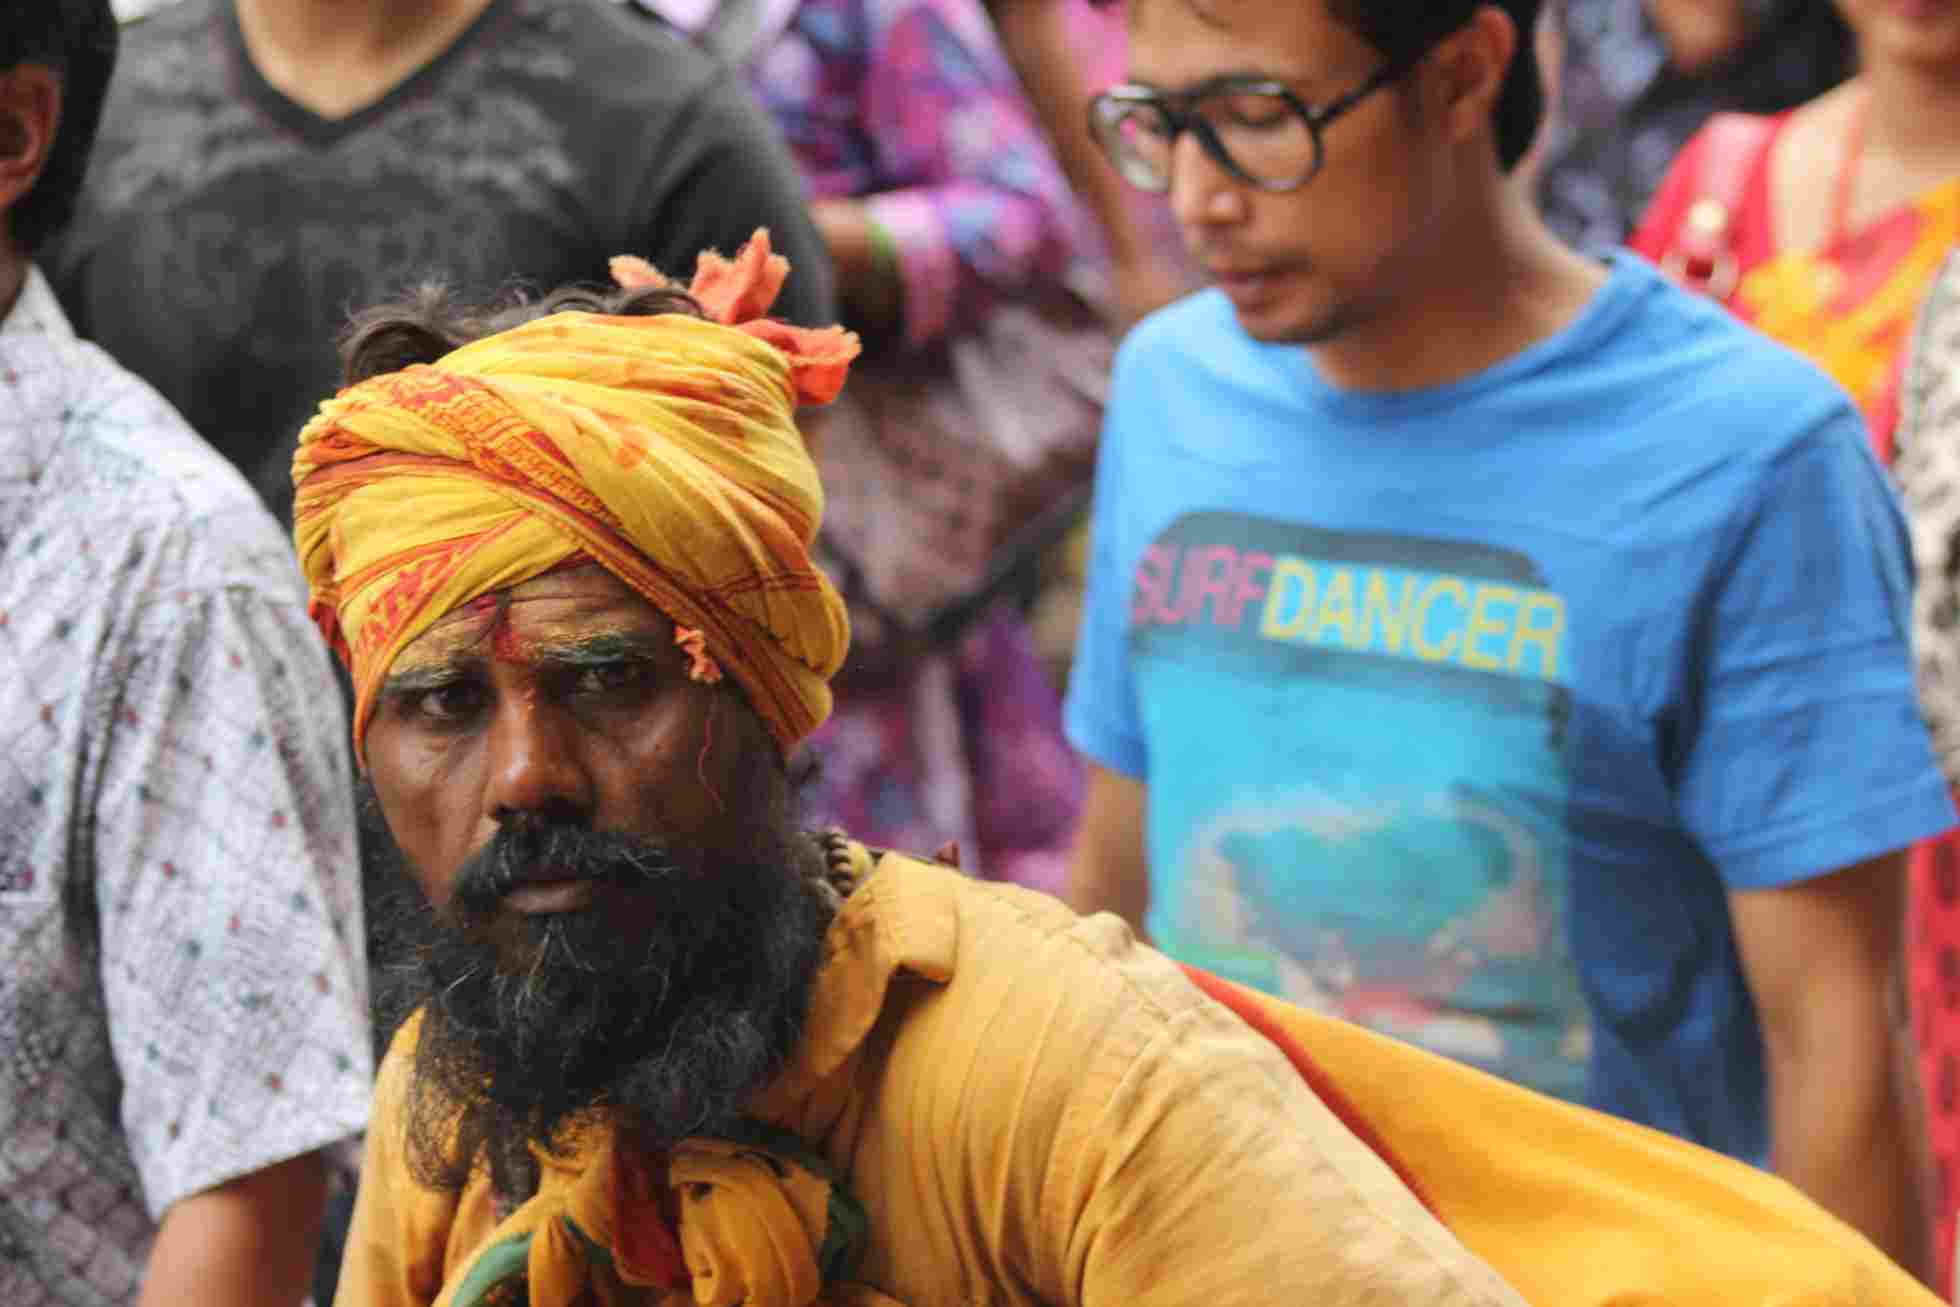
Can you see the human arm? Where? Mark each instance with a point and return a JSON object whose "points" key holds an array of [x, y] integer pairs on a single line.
{"points": [[1109, 868], [1132, 1141], [864, 258], [966, 190], [227, 894], [1926, 464], [246, 1243], [1806, 753], [1109, 871], [1035, 36], [1823, 960]]}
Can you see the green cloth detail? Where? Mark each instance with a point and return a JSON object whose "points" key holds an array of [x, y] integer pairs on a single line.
{"points": [[884, 249], [595, 1252], [847, 1226], [498, 1263], [887, 265], [845, 1235]]}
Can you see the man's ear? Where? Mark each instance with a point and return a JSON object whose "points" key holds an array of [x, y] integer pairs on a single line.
{"points": [[1466, 72], [30, 114]]}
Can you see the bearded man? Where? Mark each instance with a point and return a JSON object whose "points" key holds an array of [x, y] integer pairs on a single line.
{"points": [[666, 1042]]}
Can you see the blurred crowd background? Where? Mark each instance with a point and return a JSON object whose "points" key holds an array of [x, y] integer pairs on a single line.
{"points": [[1005, 259]]}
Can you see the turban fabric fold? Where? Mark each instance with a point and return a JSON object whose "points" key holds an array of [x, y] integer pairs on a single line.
{"points": [[663, 448]]}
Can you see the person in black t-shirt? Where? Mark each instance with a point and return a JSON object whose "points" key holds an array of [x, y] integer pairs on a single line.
{"points": [[267, 165]]}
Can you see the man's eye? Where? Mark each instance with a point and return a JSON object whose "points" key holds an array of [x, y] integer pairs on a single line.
{"points": [[446, 703], [1254, 111], [611, 678]]}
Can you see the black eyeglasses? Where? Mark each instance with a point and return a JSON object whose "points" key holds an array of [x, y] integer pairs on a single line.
{"points": [[1256, 129]]}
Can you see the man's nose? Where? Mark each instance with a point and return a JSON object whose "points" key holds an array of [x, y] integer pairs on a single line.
{"points": [[1203, 194], [536, 764]]}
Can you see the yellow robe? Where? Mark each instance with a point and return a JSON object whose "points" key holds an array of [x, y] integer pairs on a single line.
{"points": [[1032, 1108]]}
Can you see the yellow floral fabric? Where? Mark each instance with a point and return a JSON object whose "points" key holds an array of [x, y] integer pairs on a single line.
{"points": [[663, 448], [1850, 307]]}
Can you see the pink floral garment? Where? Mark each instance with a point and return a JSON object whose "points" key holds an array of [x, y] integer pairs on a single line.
{"points": [[968, 750], [912, 104]]}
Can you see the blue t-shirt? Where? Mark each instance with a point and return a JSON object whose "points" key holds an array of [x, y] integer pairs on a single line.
{"points": [[1461, 710]]}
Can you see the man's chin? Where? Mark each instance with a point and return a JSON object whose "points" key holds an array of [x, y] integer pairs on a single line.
{"points": [[1290, 325]]}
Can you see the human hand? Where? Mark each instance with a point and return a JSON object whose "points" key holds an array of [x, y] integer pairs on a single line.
{"points": [[868, 280]]}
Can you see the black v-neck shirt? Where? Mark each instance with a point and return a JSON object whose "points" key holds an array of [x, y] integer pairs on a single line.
{"points": [[227, 232]]}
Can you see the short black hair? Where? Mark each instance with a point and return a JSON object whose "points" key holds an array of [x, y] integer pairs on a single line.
{"points": [[430, 320], [1402, 30], [77, 40]]}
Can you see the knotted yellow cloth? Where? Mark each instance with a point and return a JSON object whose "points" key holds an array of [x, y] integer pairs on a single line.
{"points": [[722, 1222], [664, 448]]}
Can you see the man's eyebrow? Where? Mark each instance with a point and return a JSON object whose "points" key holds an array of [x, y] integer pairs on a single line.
{"points": [[566, 652], [1218, 81], [602, 650], [430, 676]]}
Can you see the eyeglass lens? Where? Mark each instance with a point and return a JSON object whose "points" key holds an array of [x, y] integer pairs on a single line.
{"points": [[1261, 134]]}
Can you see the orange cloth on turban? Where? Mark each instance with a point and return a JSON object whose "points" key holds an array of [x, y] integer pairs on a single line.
{"points": [[664, 448]]}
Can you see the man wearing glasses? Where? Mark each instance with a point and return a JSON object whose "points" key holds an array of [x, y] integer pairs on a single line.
{"points": [[1499, 649]]}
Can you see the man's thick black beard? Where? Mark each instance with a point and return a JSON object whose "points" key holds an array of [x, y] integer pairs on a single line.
{"points": [[664, 1030]]}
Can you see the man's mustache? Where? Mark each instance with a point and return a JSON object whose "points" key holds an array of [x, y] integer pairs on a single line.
{"points": [[527, 850]]}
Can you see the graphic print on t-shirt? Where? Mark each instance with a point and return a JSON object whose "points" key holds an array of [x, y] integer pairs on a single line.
{"points": [[1369, 732]]}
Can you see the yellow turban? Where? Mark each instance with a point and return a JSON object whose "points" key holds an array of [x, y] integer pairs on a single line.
{"points": [[663, 448]]}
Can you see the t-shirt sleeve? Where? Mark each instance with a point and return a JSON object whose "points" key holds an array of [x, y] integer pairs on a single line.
{"points": [[1100, 714], [228, 894], [1804, 750], [729, 173]]}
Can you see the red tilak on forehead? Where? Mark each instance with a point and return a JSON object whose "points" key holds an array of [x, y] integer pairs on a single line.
{"points": [[505, 647]]}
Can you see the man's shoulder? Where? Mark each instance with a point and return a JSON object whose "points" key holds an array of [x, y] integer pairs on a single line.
{"points": [[114, 461], [173, 93], [1189, 372], [1641, 331], [1186, 334], [169, 23], [984, 942], [623, 55], [159, 48], [1702, 370]]}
